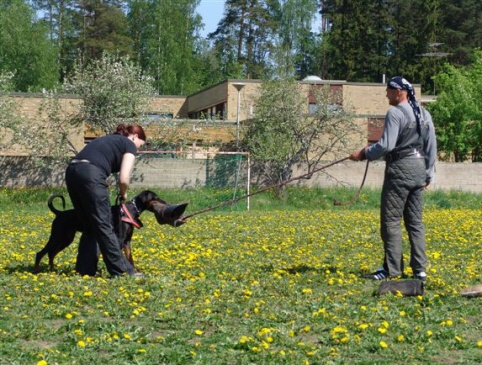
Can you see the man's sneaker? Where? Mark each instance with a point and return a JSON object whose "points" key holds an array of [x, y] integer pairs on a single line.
{"points": [[377, 275], [422, 276]]}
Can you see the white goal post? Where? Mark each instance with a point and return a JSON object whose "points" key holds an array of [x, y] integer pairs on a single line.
{"points": [[229, 171]]}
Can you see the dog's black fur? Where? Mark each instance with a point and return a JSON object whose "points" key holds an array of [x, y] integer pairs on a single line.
{"points": [[66, 223]]}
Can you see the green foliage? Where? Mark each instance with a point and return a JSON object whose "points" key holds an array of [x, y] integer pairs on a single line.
{"points": [[113, 92], [104, 30], [166, 45], [457, 113], [358, 42], [363, 47], [25, 49], [10, 121], [244, 36], [294, 22], [312, 199], [460, 29]]}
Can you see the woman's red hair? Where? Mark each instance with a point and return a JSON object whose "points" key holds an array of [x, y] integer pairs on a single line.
{"points": [[127, 130]]}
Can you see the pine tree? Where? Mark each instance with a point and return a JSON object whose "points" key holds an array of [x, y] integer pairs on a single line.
{"points": [[165, 43]]}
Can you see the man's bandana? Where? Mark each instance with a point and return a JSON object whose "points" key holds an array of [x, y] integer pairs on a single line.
{"points": [[400, 83]]}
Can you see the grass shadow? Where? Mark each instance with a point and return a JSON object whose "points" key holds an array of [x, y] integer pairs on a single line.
{"points": [[29, 268]]}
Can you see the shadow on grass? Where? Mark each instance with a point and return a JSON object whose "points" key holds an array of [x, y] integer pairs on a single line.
{"points": [[27, 268], [300, 269]]}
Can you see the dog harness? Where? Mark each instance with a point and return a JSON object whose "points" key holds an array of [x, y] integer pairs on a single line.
{"points": [[126, 216]]}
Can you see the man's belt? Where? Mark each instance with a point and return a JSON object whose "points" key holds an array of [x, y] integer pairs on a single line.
{"points": [[398, 155]]}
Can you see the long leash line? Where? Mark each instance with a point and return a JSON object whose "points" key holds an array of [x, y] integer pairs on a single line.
{"points": [[232, 201], [357, 195]]}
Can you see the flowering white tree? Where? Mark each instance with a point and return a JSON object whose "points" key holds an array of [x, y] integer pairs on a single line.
{"points": [[113, 91], [281, 136], [9, 120]]}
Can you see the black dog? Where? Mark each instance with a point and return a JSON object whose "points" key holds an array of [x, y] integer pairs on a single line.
{"points": [[125, 218]]}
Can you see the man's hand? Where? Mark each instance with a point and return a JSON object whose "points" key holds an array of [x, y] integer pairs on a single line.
{"points": [[358, 155]]}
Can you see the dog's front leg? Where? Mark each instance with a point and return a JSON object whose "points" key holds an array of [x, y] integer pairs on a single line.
{"points": [[128, 253], [128, 231]]}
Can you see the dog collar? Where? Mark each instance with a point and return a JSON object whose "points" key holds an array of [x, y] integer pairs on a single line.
{"points": [[127, 217]]}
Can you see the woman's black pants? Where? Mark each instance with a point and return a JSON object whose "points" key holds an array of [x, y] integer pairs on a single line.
{"points": [[90, 197]]}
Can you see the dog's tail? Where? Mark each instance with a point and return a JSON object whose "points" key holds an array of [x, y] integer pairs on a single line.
{"points": [[51, 203]]}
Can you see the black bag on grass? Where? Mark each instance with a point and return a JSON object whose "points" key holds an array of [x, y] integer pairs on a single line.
{"points": [[404, 287]]}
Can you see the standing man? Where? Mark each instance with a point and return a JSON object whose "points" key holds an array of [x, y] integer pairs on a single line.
{"points": [[409, 148]]}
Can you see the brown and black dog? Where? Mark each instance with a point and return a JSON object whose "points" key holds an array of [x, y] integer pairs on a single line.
{"points": [[125, 217]]}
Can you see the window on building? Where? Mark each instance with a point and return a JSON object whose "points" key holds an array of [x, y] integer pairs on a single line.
{"points": [[375, 129]]}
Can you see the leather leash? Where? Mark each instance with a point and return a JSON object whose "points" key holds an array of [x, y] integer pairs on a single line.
{"points": [[232, 201], [355, 197]]}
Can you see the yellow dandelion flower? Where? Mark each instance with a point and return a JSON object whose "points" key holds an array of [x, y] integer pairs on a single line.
{"points": [[383, 345], [401, 338], [42, 362], [88, 293], [264, 331], [479, 343], [68, 316], [81, 344], [198, 332], [245, 339]]}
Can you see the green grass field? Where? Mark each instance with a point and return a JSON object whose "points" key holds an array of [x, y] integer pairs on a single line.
{"points": [[276, 285]]}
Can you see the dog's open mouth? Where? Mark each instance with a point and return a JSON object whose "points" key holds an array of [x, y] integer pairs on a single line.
{"points": [[170, 214]]}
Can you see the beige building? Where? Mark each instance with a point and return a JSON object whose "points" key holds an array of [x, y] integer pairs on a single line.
{"points": [[233, 101], [213, 115]]}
